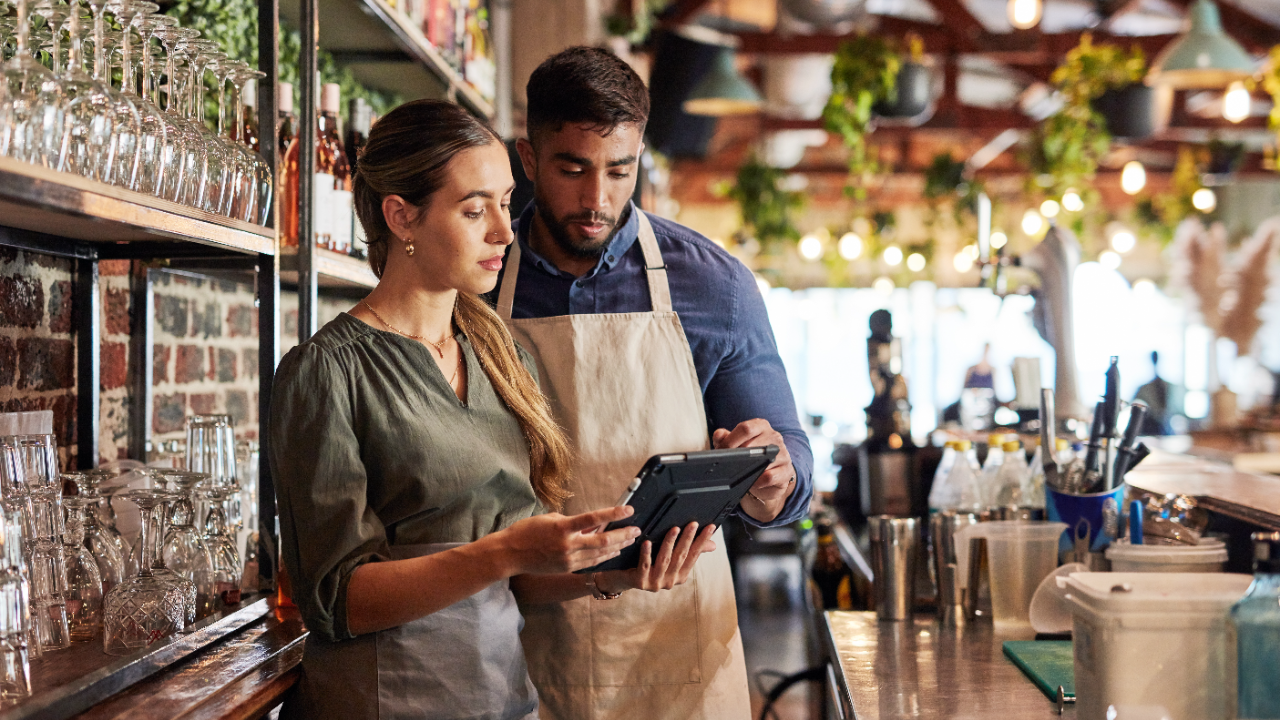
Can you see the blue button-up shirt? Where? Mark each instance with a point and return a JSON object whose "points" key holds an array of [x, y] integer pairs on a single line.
{"points": [[720, 308]]}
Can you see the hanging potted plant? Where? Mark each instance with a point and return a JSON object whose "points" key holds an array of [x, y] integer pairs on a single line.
{"points": [[912, 96], [865, 73], [1110, 80]]}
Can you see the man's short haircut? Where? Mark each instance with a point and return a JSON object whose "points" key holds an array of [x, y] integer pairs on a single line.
{"points": [[585, 86]]}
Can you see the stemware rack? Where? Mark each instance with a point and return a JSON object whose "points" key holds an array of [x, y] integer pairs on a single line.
{"points": [[258, 645]]}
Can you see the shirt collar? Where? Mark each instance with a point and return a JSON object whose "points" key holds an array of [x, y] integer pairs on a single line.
{"points": [[613, 252]]}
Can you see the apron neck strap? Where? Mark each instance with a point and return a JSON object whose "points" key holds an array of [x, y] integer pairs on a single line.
{"points": [[655, 272]]}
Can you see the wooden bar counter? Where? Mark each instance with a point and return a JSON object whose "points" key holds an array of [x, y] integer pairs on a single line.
{"points": [[896, 670]]}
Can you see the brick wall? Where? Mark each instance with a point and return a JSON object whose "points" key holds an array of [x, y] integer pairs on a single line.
{"points": [[204, 352]]}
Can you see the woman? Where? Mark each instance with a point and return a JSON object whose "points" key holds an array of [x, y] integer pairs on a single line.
{"points": [[414, 455]]}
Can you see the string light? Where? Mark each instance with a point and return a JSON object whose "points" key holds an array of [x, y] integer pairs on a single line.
{"points": [[963, 262], [811, 247], [893, 255], [1025, 14], [972, 251], [1123, 241], [850, 246], [1237, 103], [1204, 200], [1050, 208], [1072, 202], [1133, 178], [1032, 222], [1109, 260], [915, 262], [999, 240], [883, 285]]}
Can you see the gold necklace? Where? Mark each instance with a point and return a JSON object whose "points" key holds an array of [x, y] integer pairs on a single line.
{"points": [[439, 346]]}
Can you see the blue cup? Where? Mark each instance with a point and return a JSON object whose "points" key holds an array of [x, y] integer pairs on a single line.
{"points": [[1096, 517]]}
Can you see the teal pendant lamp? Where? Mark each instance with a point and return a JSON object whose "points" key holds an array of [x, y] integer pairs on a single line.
{"points": [[1205, 57], [723, 91]]}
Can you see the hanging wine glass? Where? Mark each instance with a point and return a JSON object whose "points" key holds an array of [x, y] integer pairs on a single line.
{"points": [[221, 544], [221, 166], [239, 190], [183, 162], [49, 37], [199, 162], [89, 132], [132, 147], [102, 528], [260, 186], [84, 583], [34, 101], [106, 554], [144, 608], [153, 135]]}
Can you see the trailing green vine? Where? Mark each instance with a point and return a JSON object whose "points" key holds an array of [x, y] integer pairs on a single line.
{"points": [[1068, 145], [765, 205], [865, 73]]}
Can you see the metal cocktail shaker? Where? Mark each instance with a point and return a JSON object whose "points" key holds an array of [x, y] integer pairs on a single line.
{"points": [[895, 551], [943, 527]]}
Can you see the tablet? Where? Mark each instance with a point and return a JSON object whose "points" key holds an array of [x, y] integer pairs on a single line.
{"points": [[675, 490]]}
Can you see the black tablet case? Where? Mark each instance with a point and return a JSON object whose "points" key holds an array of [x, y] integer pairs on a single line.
{"points": [[678, 489]]}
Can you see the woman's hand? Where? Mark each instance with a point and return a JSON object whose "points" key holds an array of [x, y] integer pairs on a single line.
{"points": [[555, 543], [679, 552]]}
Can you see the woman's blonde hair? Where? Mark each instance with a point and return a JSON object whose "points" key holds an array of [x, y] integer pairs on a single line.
{"points": [[408, 154]]}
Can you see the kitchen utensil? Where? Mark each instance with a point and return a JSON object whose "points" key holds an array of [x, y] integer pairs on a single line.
{"points": [[895, 548]]}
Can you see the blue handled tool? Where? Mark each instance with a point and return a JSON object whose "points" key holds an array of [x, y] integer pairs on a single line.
{"points": [[1135, 522]]}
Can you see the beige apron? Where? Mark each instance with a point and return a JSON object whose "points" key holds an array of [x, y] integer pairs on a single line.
{"points": [[624, 388]]}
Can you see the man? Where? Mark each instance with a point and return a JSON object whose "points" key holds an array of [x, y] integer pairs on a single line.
{"points": [[1163, 400], [648, 339]]}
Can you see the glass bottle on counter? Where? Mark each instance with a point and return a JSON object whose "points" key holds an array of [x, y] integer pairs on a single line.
{"points": [[331, 205], [988, 480], [1012, 476], [1254, 627], [831, 580], [960, 489], [940, 494]]}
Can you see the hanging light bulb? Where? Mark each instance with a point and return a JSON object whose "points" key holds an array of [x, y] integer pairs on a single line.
{"points": [[1133, 178], [999, 240], [1123, 241], [893, 255], [1072, 202], [883, 285], [1025, 14], [1050, 208], [963, 262], [850, 246], [1109, 260], [915, 262], [1204, 200], [811, 247], [1237, 103], [1032, 222], [972, 250]]}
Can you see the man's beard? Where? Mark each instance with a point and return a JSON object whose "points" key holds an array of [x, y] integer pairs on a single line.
{"points": [[559, 231]]}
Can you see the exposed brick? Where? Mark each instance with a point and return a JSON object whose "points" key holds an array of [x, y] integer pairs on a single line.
{"points": [[226, 365], [238, 407], [8, 255], [61, 302], [8, 362], [116, 309], [240, 320], [160, 363], [207, 321], [189, 365], [168, 413], [203, 403], [64, 418], [21, 302], [46, 363], [249, 361], [114, 368], [171, 313], [113, 268], [49, 261]]}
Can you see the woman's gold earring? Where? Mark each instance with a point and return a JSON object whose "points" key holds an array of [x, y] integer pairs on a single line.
{"points": [[408, 249]]}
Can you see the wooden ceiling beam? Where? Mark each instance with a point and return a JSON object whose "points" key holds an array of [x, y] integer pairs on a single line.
{"points": [[955, 15]]}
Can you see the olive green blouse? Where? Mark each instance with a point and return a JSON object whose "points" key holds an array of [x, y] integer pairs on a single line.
{"points": [[370, 447]]}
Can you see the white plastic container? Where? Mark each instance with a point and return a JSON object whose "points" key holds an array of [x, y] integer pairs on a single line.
{"points": [[1152, 639], [1209, 556]]}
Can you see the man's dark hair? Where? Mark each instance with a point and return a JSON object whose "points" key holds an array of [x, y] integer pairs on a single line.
{"points": [[585, 86]]}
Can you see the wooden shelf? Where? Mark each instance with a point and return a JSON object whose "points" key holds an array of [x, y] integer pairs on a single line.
{"points": [[333, 270], [60, 204], [385, 51]]}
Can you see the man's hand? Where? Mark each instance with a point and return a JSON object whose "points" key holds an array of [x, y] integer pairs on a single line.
{"points": [[769, 494]]}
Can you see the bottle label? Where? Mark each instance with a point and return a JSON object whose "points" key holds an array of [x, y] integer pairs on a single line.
{"points": [[322, 214], [341, 206]]}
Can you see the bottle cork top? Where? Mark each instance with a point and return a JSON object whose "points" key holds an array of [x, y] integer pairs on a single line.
{"points": [[284, 103], [1012, 446], [331, 98]]}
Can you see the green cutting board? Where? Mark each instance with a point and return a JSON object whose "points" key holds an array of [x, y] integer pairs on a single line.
{"points": [[1048, 663]]}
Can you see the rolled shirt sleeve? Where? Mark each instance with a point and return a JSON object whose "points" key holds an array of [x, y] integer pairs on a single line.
{"points": [[751, 382], [327, 528]]}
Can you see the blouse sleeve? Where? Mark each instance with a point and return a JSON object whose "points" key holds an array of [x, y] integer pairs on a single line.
{"points": [[327, 528]]}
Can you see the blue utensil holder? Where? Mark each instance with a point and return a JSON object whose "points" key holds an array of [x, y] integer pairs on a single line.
{"points": [[1098, 515]]}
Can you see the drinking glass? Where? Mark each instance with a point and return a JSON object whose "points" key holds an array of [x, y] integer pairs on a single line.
{"points": [[184, 549], [221, 545], [34, 459], [15, 619], [257, 209], [211, 447], [89, 138], [153, 139], [105, 554], [221, 167], [100, 527], [129, 142], [144, 608], [50, 36], [84, 583], [33, 101], [196, 164]]}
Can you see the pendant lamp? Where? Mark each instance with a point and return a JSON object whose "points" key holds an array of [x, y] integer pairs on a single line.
{"points": [[723, 91], [1204, 57]]}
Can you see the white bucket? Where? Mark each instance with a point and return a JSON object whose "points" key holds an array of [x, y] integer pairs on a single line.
{"points": [[1153, 639], [1209, 556]]}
